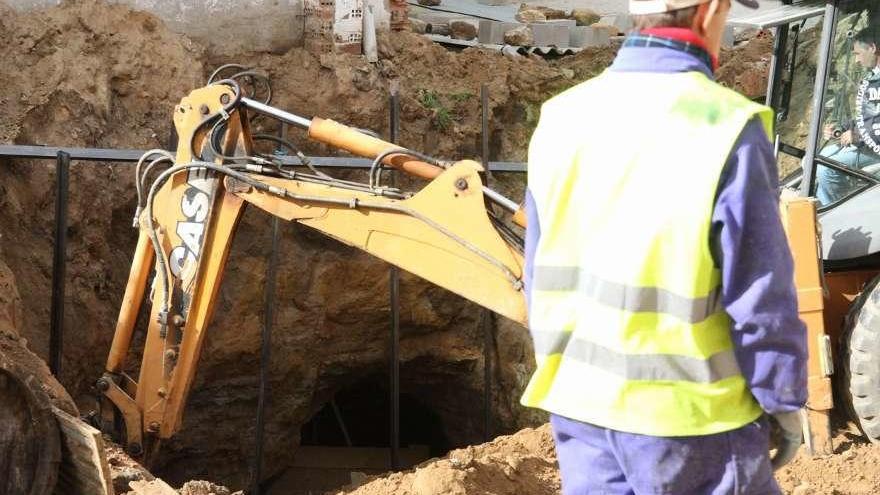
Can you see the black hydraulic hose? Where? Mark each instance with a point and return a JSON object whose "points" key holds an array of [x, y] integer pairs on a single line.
{"points": [[226, 110], [376, 169], [224, 67], [292, 148], [246, 72], [154, 237]]}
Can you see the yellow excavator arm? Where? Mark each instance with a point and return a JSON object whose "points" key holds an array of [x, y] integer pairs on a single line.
{"points": [[452, 232], [445, 233]]}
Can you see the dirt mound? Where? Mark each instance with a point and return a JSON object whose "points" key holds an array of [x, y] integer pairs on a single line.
{"points": [[526, 463], [854, 469], [14, 352], [746, 67], [82, 74], [511, 465]]}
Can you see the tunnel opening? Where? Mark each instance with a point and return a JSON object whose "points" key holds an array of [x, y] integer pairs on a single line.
{"points": [[359, 416], [349, 438]]}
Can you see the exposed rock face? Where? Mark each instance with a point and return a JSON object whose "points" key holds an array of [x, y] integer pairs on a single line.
{"points": [[418, 25], [10, 301], [528, 16], [463, 30], [89, 74], [551, 13], [520, 36], [747, 65], [584, 17]]}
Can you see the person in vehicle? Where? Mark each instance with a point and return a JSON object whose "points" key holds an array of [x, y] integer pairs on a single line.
{"points": [[857, 141]]}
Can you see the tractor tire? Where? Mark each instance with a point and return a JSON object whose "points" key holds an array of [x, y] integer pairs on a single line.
{"points": [[860, 361], [30, 440]]}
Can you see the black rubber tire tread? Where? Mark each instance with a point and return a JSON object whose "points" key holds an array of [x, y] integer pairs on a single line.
{"points": [[859, 376], [30, 441]]}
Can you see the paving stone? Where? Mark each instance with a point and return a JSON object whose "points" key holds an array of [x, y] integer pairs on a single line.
{"points": [[586, 36], [549, 34]]}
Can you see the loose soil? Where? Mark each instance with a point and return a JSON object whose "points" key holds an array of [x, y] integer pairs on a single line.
{"points": [[526, 463]]}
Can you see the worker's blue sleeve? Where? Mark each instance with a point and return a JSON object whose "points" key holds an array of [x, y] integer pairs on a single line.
{"points": [[758, 292], [533, 233]]}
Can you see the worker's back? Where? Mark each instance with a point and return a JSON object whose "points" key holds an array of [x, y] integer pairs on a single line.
{"points": [[625, 292]]}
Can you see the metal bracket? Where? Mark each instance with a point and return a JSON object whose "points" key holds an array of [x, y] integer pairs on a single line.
{"points": [[131, 415], [825, 355]]}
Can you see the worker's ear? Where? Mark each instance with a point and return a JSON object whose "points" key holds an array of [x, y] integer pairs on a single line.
{"points": [[709, 23], [709, 14], [699, 23]]}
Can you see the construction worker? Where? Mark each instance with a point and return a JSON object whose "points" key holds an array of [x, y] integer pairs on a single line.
{"points": [[658, 277], [858, 141]]}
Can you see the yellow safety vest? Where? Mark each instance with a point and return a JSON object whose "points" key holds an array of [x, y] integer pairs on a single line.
{"points": [[625, 308]]}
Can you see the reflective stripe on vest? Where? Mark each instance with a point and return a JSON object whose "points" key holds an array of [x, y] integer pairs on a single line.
{"points": [[635, 299], [638, 366], [625, 310]]}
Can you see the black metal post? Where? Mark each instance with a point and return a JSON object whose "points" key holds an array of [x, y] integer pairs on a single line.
{"points": [[265, 348], [56, 330], [487, 319], [777, 65], [484, 130], [394, 290], [823, 68]]}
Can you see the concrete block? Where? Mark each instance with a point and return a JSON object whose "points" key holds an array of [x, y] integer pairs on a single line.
{"points": [[492, 32], [551, 35], [586, 36]]}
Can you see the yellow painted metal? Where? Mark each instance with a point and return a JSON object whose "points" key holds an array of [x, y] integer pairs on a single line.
{"points": [[131, 413], [442, 233], [799, 220], [178, 231], [219, 240], [453, 200], [131, 303]]}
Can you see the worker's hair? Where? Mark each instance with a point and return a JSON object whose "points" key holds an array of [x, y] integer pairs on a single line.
{"points": [[674, 18], [868, 36]]}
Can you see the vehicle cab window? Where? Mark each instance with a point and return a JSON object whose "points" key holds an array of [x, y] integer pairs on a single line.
{"points": [[850, 141]]}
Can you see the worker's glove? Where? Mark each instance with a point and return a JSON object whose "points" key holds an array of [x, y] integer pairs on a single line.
{"points": [[790, 439]]}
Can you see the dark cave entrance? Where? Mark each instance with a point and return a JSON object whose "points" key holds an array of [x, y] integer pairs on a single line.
{"points": [[359, 416], [350, 436]]}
